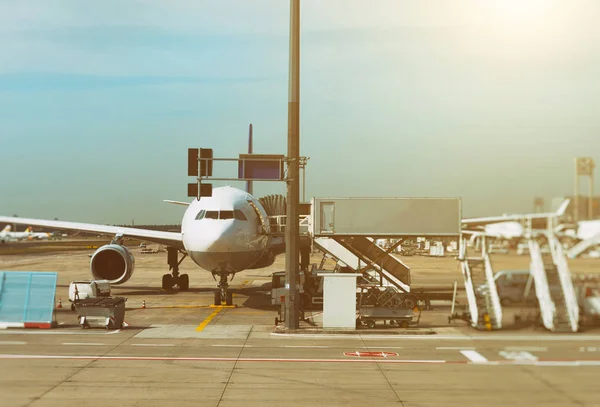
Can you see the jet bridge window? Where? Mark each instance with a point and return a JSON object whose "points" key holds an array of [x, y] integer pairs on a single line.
{"points": [[201, 214], [239, 215]]}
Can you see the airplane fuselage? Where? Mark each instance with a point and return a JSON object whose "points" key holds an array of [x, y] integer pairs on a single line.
{"points": [[224, 233]]}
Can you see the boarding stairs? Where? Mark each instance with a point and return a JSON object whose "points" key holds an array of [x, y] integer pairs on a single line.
{"points": [[387, 278], [362, 255], [583, 246], [554, 289], [482, 296]]}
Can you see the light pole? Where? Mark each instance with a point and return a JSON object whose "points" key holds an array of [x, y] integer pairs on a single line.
{"points": [[303, 162], [292, 236]]}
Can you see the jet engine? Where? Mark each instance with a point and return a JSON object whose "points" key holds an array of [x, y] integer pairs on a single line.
{"points": [[265, 260], [112, 262]]}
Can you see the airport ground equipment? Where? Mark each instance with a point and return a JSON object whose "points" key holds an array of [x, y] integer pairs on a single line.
{"points": [[347, 228], [108, 313], [376, 303], [587, 288], [583, 246], [553, 284], [339, 300], [27, 299], [485, 310], [81, 290], [310, 287]]}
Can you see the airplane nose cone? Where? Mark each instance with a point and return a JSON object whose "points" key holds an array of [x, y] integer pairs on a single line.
{"points": [[218, 236]]}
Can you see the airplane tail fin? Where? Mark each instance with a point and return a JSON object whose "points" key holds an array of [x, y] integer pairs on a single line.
{"points": [[29, 229], [562, 208], [249, 185], [6, 228]]}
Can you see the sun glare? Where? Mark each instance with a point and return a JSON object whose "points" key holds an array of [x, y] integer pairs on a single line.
{"points": [[520, 11]]}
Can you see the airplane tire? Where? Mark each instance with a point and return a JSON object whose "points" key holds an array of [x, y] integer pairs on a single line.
{"points": [[229, 300], [184, 282], [218, 298], [167, 282]]}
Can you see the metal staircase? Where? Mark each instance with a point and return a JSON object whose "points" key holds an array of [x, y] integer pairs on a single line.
{"points": [[484, 303], [554, 286], [363, 255]]}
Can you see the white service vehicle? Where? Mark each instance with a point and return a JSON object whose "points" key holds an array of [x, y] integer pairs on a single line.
{"points": [[80, 290]]}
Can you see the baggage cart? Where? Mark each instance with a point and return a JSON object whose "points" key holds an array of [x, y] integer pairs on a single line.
{"points": [[108, 313], [386, 307]]}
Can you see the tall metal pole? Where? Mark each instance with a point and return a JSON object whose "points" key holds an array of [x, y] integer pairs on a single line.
{"points": [[591, 199], [292, 236], [249, 186], [576, 208]]}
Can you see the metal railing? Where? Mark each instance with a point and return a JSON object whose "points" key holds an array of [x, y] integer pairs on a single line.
{"points": [[469, 288], [566, 282], [542, 289], [278, 223]]}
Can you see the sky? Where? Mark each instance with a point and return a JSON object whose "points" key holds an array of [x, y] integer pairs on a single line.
{"points": [[489, 101]]}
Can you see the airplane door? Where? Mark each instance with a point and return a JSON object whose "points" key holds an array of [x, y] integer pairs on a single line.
{"points": [[327, 210]]}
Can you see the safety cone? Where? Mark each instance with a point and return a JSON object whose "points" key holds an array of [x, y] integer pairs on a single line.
{"points": [[59, 305], [143, 304]]}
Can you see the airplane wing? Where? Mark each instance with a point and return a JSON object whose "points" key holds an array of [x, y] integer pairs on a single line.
{"points": [[155, 236], [475, 222]]}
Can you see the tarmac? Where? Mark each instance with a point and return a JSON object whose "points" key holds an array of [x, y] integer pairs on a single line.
{"points": [[181, 351]]}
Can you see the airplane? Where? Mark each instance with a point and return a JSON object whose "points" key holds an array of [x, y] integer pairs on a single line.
{"points": [[37, 235], [511, 226], [6, 235], [224, 234]]}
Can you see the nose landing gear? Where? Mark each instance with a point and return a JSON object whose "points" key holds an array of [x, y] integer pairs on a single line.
{"points": [[223, 296]]}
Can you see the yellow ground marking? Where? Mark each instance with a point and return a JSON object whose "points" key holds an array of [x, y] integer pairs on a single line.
{"points": [[208, 319], [242, 286]]}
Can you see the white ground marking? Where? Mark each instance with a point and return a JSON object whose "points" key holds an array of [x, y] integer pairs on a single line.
{"points": [[474, 356], [152, 344], [12, 343], [526, 348], [518, 356], [233, 346], [304, 346], [83, 344]]}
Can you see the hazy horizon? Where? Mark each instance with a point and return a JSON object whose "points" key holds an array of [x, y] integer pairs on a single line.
{"points": [[488, 101]]}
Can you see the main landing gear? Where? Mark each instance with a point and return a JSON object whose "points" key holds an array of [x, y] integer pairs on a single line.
{"points": [[171, 280], [223, 296]]}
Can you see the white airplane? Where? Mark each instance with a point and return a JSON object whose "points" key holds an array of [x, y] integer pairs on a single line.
{"points": [[511, 226], [6, 235], [37, 235], [224, 234]]}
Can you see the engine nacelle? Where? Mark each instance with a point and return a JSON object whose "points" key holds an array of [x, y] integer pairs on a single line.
{"points": [[265, 260], [112, 262]]}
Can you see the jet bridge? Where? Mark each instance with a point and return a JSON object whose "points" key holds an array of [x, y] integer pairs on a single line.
{"points": [[345, 228]]}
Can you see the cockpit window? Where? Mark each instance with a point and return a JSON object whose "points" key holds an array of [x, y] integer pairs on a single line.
{"points": [[239, 215], [212, 215], [226, 215]]}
